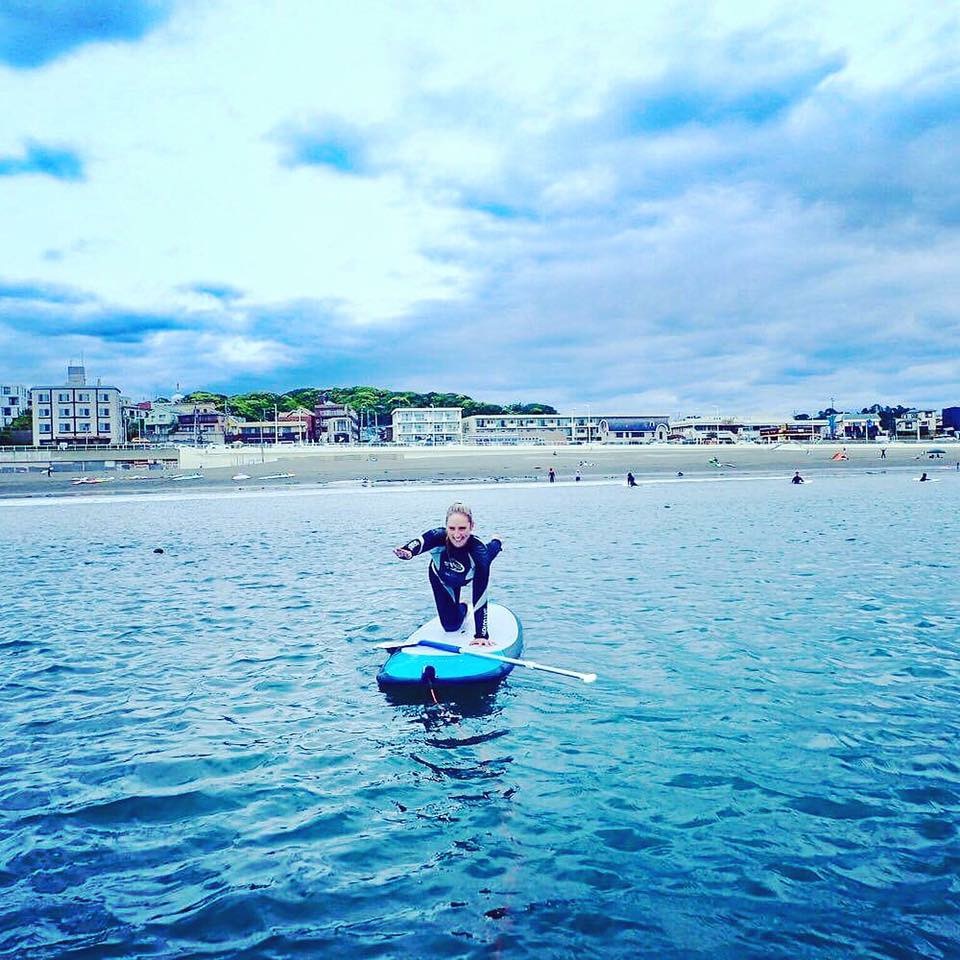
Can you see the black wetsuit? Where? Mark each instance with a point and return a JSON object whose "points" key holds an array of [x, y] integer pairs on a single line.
{"points": [[451, 568]]}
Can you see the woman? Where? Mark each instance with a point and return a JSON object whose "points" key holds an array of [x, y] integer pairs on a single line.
{"points": [[457, 558]]}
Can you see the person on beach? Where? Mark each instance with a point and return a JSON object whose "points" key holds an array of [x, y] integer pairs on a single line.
{"points": [[797, 478], [457, 558], [631, 480], [552, 474], [883, 453]]}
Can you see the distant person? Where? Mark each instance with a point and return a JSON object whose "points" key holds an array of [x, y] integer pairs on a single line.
{"points": [[577, 477], [457, 558], [552, 474], [797, 478], [631, 480], [679, 473], [923, 477], [883, 453]]}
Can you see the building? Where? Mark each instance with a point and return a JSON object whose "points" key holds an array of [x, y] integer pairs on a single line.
{"points": [[920, 425], [201, 424], [427, 425], [336, 423], [633, 429], [291, 426], [14, 402], [76, 413], [951, 420], [509, 428], [770, 429]]}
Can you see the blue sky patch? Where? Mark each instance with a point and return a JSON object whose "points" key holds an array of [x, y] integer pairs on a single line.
{"points": [[36, 32], [37, 158], [671, 105], [332, 145]]}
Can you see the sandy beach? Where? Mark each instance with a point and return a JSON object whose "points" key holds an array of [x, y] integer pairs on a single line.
{"points": [[311, 466]]}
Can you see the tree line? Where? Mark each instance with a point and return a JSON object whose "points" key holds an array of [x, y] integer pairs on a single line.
{"points": [[374, 403]]}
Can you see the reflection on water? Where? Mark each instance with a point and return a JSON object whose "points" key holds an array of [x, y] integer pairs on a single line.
{"points": [[195, 758]]}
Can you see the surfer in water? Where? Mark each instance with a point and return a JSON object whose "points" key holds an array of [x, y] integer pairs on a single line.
{"points": [[457, 558], [797, 478]]}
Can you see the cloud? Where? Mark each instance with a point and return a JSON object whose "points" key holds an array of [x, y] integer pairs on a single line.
{"points": [[753, 206], [44, 311], [35, 32], [37, 158]]}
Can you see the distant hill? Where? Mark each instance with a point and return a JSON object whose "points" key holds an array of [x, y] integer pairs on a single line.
{"points": [[378, 402]]}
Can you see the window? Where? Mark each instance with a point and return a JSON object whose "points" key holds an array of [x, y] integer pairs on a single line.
{"points": [[104, 411], [83, 397], [84, 411], [44, 412], [63, 397], [104, 396], [65, 411], [84, 428], [44, 427], [44, 397], [64, 428]]}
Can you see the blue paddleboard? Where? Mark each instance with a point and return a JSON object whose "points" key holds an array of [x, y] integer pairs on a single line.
{"points": [[405, 667]]}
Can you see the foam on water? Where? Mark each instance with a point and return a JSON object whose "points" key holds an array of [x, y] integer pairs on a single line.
{"points": [[195, 759]]}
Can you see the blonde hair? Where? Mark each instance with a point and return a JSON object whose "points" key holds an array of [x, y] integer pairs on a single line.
{"points": [[460, 508]]}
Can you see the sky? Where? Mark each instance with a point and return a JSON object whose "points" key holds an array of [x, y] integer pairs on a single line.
{"points": [[656, 207]]}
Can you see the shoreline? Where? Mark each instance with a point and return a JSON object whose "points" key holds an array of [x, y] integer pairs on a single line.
{"points": [[386, 468]]}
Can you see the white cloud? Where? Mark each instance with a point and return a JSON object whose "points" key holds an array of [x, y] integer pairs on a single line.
{"points": [[755, 251]]}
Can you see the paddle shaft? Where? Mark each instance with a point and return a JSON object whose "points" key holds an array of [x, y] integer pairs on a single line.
{"points": [[531, 664]]}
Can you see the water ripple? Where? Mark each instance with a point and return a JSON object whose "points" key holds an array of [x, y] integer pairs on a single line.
{"points": [[195, 760]]}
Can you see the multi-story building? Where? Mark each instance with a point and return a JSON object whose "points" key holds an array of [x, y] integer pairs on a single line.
{"points": [[291, 426], [336, 423], [427, 425], [76, 413], [516, 428], [920, 424], [14, 402]]}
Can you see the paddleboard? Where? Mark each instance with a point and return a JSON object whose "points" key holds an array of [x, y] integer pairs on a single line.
{"points": [[405, 667], [928, 480]]}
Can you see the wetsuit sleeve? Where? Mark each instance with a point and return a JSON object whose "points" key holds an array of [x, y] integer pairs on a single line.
{"points": [[426, 541], [481, 555]]}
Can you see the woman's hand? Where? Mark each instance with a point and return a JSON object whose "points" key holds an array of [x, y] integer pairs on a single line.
{"points": [[403, 553]]}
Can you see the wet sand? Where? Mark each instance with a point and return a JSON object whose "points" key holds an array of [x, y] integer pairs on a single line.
{"points": [[387, 466]]}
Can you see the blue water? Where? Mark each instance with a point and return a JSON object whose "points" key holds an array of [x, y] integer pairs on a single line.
{"points": [[195, 760]]}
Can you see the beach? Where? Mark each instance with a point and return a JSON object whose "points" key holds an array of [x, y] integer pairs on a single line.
{"points": [[345, 466]]}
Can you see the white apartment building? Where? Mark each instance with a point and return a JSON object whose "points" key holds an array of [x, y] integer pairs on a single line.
{"points": [[515, 428], [427, 425], [76, 413], [14, 400]]}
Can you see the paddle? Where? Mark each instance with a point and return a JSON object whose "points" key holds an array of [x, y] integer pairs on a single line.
{"points": [[475, 652]]}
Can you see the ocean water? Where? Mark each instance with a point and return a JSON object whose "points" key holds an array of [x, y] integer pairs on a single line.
{"points": [[195, 760]]}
